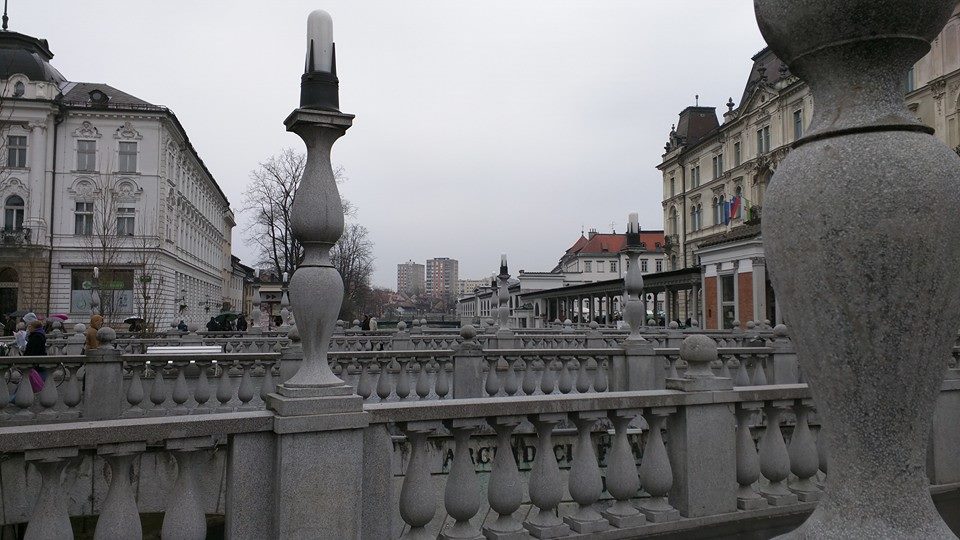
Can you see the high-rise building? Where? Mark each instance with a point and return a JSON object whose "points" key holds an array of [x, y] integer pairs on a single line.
{"points": [[442, 276], [410, 278]]}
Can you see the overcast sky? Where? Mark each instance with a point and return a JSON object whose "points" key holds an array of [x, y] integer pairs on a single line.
{"points": [[482, 127]]}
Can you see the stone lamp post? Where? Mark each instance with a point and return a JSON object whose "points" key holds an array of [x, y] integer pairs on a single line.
{"points": [[633, 308], [317, 214], [865, 164], [316, 414]]}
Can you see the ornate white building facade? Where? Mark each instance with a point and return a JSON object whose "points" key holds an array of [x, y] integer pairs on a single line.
{"points": [[104, 179], [715, 175]]}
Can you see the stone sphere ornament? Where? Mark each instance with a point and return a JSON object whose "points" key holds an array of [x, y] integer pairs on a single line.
{"points": [[864, 163]]}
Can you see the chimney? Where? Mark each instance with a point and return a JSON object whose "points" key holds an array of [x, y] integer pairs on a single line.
{"points": [[591, 234]]}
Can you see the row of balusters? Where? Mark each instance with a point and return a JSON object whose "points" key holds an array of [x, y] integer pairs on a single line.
{"points": [[639, 494], [398, 378], [119, 517], [58, 399], [168, 390], [744, 369], [545, 375]]}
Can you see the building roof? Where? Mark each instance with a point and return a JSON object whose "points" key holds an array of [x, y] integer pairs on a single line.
{"points": [[77, 94], [30, 56], [695, 123], [603, 243], [773, 69]]}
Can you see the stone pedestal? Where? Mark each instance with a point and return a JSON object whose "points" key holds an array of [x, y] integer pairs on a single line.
{"points": [[103, 396]]}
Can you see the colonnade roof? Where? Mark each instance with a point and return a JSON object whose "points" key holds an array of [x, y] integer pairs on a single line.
{"points": [[674, 279]]}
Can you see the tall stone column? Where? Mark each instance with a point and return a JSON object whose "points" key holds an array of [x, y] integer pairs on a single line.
{"points": [[317, 414], [38, 203], [846, 282]]}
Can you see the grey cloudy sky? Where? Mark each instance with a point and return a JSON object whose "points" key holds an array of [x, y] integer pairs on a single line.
{"points": [[482, 127]]}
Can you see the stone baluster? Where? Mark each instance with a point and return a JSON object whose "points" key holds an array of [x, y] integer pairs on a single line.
{"points": [[565, 380], [403, 378], [511, 383], [135, 394], [774, 457], [546, 486], [748, 463], [743, 376], [158, 390], [72, 395], [119, 517], [422, 386], [384, 386], [876, 381], [184, 517], [48, 397], [364, 387], [267, 386], [656, 474], [224, 386], [461, 496], [759, 373], [49, 518], [822, 458], [24, 396], [803, 454], [585, 482], [529, 383], [181, 393], [443, 379], [418, 493], [201, 392], [623, 479], [504, 489], [548, 381], [492, 384], [600, 381], [583, 375], [246, 391]]}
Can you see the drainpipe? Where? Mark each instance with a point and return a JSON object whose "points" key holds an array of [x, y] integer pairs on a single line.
{"points": [[57, 120]]}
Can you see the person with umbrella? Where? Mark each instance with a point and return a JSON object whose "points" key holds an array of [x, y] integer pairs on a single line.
{"points": [[136, 324], [213, 325], [242, 323]]}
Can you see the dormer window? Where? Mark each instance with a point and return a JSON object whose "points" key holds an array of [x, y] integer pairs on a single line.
{"points": [[98, 98], [19, 89]]}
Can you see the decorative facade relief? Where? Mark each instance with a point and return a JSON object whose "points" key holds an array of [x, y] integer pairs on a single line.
{"points": [[127, 190], [83, 189], [127, 131], [87, 131]]}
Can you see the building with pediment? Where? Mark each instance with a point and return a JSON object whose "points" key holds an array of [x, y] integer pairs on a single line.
{"points": [[91, 176], [715, 174]]}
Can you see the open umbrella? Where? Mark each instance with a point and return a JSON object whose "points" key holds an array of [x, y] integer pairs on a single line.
{"points": [[61, 316], [19, 313], [226, 316], [129, 320]]}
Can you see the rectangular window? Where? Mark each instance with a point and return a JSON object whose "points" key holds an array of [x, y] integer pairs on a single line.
{"points": [[599, 266], [763, 140], [727, 300], [83, 219], [643, 265], [673, 187], [719, 164], [17, 151], [908, 81], [716, 170], [659, 265], [128, 157], [797, 124], [588, 266], [125, 221], [737, 158], [613, 266], [86, 155]]}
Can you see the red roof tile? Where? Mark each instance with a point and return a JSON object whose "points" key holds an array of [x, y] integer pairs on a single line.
{"points": [[613, 243]]}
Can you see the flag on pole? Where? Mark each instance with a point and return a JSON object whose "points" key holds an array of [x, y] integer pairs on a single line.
{"points": [[735, 207]]}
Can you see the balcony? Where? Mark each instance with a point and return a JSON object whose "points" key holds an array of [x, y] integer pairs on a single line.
{"points": [[15, 237]]}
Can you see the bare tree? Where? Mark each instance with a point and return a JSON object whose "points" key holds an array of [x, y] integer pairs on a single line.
{"points": [[352, 256], [149, 286], [268, 199]]}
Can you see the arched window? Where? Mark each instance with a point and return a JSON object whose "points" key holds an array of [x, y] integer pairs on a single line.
{"points": [[13, 213], [693, 218], [9, 275], [673, 220], [699, 216]]}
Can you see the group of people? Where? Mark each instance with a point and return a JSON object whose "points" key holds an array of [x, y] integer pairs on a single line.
{"points": [[227, 325]]}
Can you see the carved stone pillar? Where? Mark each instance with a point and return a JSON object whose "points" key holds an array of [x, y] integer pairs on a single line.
{"points": [[845, 282]]}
